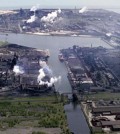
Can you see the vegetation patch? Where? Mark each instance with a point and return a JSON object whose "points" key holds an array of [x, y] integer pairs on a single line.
{"points": [[3, 43], [47, 113]]}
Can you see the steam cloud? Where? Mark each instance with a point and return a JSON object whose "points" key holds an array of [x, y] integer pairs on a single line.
{"points": [[21, 66], [109, 34], [35, 8], [32, 19], [18, 70], [46, 71], [83, 10], [51, 16]]}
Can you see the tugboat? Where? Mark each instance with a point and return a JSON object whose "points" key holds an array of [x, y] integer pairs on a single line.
{"points": [[61, 58]]}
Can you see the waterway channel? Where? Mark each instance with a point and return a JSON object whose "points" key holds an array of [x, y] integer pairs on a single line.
{"points": [[76, 119]]}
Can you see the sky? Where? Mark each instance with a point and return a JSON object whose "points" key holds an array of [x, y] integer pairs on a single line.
{"points": [[61, 3]]}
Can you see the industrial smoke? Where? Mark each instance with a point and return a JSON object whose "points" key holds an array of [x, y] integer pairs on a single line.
{"points": [[46, 71], [32, 19], [51, 16], [83, 10], [21, 66], [109, 34], [35, 8], [18, 70]]}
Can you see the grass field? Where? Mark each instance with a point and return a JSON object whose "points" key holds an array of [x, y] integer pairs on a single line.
{"points": [[47, 112]]}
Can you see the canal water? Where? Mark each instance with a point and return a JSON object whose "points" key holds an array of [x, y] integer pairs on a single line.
{"points": [[76, 119]]}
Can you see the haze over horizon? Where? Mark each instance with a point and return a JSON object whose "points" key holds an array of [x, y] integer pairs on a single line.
{"points": [[61, 3]]}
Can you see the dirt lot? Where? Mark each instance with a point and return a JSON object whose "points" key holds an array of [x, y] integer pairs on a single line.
{"points": [[29, 130]]}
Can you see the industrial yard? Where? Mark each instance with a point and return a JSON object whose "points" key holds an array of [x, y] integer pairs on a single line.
{"points": [[24, 70], [89, 69], [96, 82], [70, 22], [102, 115]]}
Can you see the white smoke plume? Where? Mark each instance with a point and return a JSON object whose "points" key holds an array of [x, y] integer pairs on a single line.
{"points": [[18, 70], [35, 8], [83, 10], [32, 19], [43, 63], [46, 71], [21, 66], [109, 34], [59, 11], [41, 74], [45, 68], [51, 16]]}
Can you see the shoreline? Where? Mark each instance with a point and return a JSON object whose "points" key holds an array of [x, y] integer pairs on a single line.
{"points": [[61, 34], [58, 35], [68, 35], [52, 34]]}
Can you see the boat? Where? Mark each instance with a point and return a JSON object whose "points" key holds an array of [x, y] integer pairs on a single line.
{"points": [[61, 58]]}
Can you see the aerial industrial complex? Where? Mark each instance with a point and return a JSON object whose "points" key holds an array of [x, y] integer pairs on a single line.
{"points": [[93, 72], [71, 22]]}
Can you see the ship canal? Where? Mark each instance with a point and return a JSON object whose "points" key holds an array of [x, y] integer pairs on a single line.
{"points": [[76, 120]]}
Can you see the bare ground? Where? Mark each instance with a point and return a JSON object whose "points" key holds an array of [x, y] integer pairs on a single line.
{"points": [[29, 130]]}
